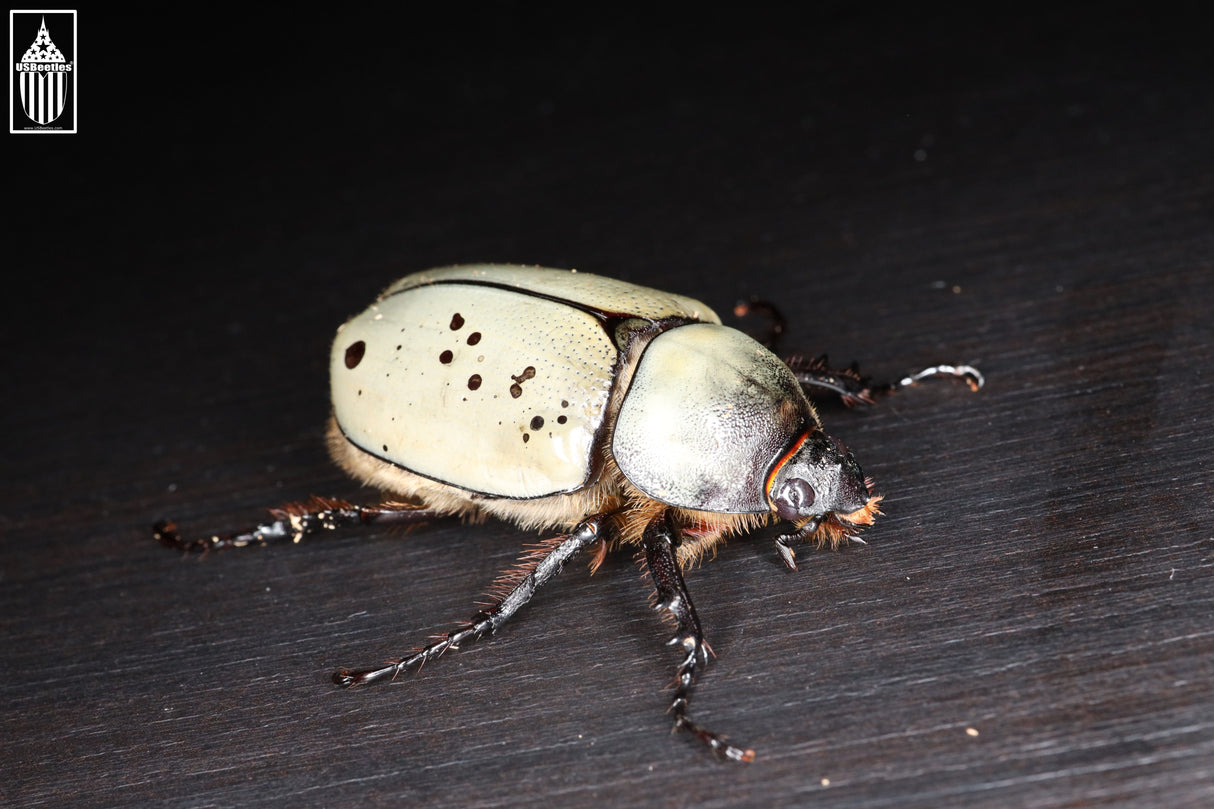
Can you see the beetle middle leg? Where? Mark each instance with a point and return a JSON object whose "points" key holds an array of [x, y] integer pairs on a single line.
{"points": [[660, 543], [775, 324], [485, 622]]}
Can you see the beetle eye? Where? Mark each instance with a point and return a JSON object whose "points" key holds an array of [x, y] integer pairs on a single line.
{"points": [[794, 499]]}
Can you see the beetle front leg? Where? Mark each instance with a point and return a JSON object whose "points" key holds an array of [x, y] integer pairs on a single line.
{"points": [[295, 521], [846, 383], [660, 543], [785, 542], [547, 564], [854, 388]]}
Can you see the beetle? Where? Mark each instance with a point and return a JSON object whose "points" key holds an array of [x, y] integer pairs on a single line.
{"points": [[618, 415]]}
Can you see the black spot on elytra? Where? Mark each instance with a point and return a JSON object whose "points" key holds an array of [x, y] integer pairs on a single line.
{"points": [[562, 419], [516, 390], [474, 338], [457, 322], [354, 354], [564, 403], [474, 382], [537, 422], [446, 357], [526, 437]]}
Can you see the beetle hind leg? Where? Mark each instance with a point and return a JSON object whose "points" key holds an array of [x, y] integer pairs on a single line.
{"points": [[660, 546], [515, 591], [295, 521]]}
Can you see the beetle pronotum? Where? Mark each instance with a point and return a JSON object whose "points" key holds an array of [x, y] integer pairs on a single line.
{"points": [[616, 414]]}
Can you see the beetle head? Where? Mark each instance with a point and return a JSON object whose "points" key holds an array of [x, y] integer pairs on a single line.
{"points": [[816, 477]]}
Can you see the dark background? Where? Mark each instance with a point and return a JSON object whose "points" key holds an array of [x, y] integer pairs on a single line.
{"points": [[1029, 191]]}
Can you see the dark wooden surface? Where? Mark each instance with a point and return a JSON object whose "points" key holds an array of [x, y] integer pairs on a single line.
{"points": [[1030, 623]]}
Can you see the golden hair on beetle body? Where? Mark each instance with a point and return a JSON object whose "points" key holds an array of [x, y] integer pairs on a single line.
{"points": [[700, 531], [837, 529], [610, 493]]}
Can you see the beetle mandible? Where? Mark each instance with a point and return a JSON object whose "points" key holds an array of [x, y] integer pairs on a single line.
{"points": [[616, 414]]}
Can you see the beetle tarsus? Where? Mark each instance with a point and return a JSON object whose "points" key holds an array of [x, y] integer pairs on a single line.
{"points": [[716, 743], [295, 521], [348, 678], [543, 567], [966, 373], [166, 534], [659, 544]]}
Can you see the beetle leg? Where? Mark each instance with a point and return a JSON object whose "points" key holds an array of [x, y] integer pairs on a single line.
{"points": [[776, 323], [294, 521], [784, 542], [847, 383], [660, 542], [966, 373], [487, 621], [854, 388]]}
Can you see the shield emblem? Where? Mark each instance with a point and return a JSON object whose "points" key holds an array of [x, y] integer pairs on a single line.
{"points": [[43, 95], [43, 92]]}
